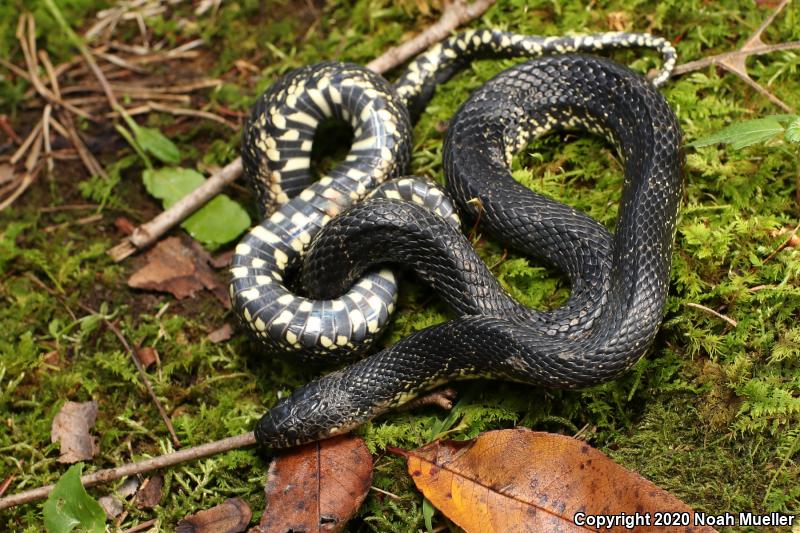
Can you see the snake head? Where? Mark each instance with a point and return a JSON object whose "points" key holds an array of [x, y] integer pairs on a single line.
{"points": [[313, 412]]}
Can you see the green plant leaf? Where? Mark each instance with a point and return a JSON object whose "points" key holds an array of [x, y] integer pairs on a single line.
{"points": [[743, 134], [428, 510], [69, 506], [170, 184], [793, 131], [220, 221], [157, 144]]}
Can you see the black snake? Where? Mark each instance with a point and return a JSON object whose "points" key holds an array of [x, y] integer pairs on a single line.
{"points": [[618, 282]]}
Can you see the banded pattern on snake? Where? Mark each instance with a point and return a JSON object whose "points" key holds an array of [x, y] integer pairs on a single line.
{"points": [[563, 91]]}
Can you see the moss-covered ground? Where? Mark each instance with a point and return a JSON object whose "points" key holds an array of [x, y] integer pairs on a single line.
{"points": [[711, 414]]}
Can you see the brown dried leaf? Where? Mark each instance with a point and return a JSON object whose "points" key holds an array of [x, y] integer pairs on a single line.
{"points": [[150, 493], [112, 504], [317, 487], [792, 242], [221, 334], [124, 225], [223, 260], [174, 268], [147, 355], [71, 427], [523, 480], [231, 516]]}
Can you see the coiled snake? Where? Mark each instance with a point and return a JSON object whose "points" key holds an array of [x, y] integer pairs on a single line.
{"points": [[618, 282]]}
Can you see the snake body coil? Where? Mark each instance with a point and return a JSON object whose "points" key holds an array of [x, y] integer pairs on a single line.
{"points": [[618, 282]]}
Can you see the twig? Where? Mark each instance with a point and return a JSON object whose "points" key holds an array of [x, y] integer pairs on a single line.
{"points": [[148, 233], [67, 207], [734, 62], [191, 113], [147, 465], [85, 52], [15, 69], [115, 330], [5, 484], [89, 161], [37, 129], [27, 43], [145, 380], [783, 245], [80, 222], [386, 493], [116, 60], [5, 125], [727, 319], [142, 526], [455, 13], [28, 178], [48, 150]]}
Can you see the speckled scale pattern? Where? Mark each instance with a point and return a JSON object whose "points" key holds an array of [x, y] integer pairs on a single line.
{"points": [[619, 281], [276, 151], [434, 66]]}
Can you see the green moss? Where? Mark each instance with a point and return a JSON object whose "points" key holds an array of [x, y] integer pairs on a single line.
{"points": [[711, 414]]}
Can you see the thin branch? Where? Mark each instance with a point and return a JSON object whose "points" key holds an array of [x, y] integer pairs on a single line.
{"points": [[26, 144], [6, 483], [142, 526], [708, 310], [148, 233], [89, 161], [85, 52], [386, 493], [191, 113], [455, 14], [735, 61], [717, 59], [142, 374], [48, 149], [785, 243], [5, 125], [15, 69], [28, 178], [148, 465]]}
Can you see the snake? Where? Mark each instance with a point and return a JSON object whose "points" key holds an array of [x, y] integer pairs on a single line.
{"points": [[339, 245]]}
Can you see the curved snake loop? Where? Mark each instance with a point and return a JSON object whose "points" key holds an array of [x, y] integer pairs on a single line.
{"points": [[276, 151]]}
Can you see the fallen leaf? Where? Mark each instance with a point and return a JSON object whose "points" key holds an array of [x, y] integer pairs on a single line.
{"points": [[317, 487], [112, 504], [219, 221], [231, 516], [150, 493], [124, 225], [71, 427], [222, 260], [69, 506], [221, 334], [147, 355], [174, 268], [523, 480], [793, 240]]}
